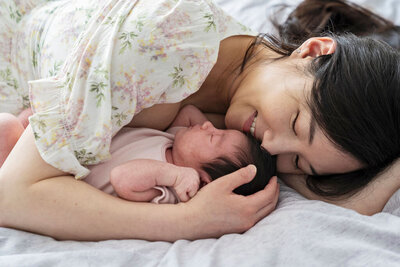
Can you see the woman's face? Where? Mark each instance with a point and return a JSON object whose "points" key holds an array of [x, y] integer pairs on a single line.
{"points": [[273, 99]]}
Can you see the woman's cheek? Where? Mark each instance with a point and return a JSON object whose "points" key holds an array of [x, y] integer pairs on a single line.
{"points": [[231, 120], [284, 164], [236, 115]]}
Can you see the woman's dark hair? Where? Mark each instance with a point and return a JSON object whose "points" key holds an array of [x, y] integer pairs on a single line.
{"points": [[356, 91], [355, 101], [253, 154]]}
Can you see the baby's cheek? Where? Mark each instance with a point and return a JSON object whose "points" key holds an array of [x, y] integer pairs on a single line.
{"points": [[198, 157], [208, 153]]}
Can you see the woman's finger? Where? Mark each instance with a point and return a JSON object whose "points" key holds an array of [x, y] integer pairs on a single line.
{"points": [[264, 211], [237, 178], [264, 196]]}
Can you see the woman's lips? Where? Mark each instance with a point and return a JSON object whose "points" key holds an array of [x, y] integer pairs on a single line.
{"points": [[247, 124]]}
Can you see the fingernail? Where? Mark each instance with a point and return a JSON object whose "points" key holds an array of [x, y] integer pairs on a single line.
{"points": [[253, 168]]}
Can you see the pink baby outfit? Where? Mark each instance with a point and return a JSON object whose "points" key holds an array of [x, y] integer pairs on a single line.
{"points": [[129, 144]]}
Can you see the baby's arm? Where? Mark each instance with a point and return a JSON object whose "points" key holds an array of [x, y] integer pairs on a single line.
{"points": [[11, 130], [188, 116], [134, 180]]}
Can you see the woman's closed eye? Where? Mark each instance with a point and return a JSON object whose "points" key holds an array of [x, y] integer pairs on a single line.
{"points": [[296, 159], [294, 123], [296, 162]]}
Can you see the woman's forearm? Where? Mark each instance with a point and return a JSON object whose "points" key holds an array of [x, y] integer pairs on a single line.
{"points": [[67, 209], [64, 208], [35, 196]]}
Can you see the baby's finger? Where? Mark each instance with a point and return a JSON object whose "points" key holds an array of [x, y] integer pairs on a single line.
{"points": [[192, 192], [183, 197], [237, 178]]}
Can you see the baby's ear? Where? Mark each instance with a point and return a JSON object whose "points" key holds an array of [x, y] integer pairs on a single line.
{"points": [[204, 176]]}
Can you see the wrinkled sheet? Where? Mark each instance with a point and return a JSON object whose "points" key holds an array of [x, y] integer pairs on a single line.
{"points": [[299, 232]]}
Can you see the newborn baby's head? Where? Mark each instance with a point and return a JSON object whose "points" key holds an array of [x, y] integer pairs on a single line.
{"points": [[214, 153]]}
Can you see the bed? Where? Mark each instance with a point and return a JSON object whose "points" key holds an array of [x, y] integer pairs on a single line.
{"points": [[299, 232]]}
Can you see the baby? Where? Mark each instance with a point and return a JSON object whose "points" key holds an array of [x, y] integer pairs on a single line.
{"points": [[11, 128], [171, 166], [167, 167]]}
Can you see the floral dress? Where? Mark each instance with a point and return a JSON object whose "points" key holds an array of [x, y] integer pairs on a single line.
{"points": [[92, 65]]}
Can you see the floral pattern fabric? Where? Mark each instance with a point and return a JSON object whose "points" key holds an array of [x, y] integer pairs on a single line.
{"points": [[13, 95], [93, 65]]}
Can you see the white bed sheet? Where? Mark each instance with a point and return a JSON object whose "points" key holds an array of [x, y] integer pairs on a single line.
{"points": [[298, 233]]}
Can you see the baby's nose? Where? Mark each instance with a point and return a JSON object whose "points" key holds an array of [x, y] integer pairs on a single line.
{"points": [[207, 125]]}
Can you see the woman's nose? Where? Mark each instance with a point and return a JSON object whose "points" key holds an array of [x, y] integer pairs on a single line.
{"points": [[277, 144]]}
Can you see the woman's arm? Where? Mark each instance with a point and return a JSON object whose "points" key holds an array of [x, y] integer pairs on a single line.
{"points": [[141, 175], [41, 199], [368, 201]]}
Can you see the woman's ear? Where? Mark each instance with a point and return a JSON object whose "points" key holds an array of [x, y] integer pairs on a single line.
{"points": [[315, 47]]}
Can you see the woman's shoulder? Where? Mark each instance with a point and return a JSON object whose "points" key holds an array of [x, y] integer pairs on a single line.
{"points": [[177, 19], [176, 43]]}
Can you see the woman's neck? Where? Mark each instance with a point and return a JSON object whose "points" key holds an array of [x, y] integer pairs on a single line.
{"points": [[215, 94]]}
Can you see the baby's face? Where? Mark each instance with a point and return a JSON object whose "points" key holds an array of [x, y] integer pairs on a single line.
{"points": [[200, 144]]}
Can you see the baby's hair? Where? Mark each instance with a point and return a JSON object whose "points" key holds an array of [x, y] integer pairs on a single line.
{"points": [[253, 154]]}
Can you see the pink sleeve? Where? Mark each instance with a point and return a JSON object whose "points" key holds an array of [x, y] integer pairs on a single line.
{"points": [[167, 196]]}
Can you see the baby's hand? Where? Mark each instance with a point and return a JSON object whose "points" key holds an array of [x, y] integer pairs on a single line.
{"points": [[187, 183]]}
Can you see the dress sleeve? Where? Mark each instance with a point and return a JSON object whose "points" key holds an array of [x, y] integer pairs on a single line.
{"points": [[133, 55], [167, 196]]}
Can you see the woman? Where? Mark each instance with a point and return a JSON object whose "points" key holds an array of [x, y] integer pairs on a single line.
{"points": [[268, 96], [312, 18]]}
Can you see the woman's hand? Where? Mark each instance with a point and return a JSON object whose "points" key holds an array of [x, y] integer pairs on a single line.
{"points": [[216, 210], [368, 201]]}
